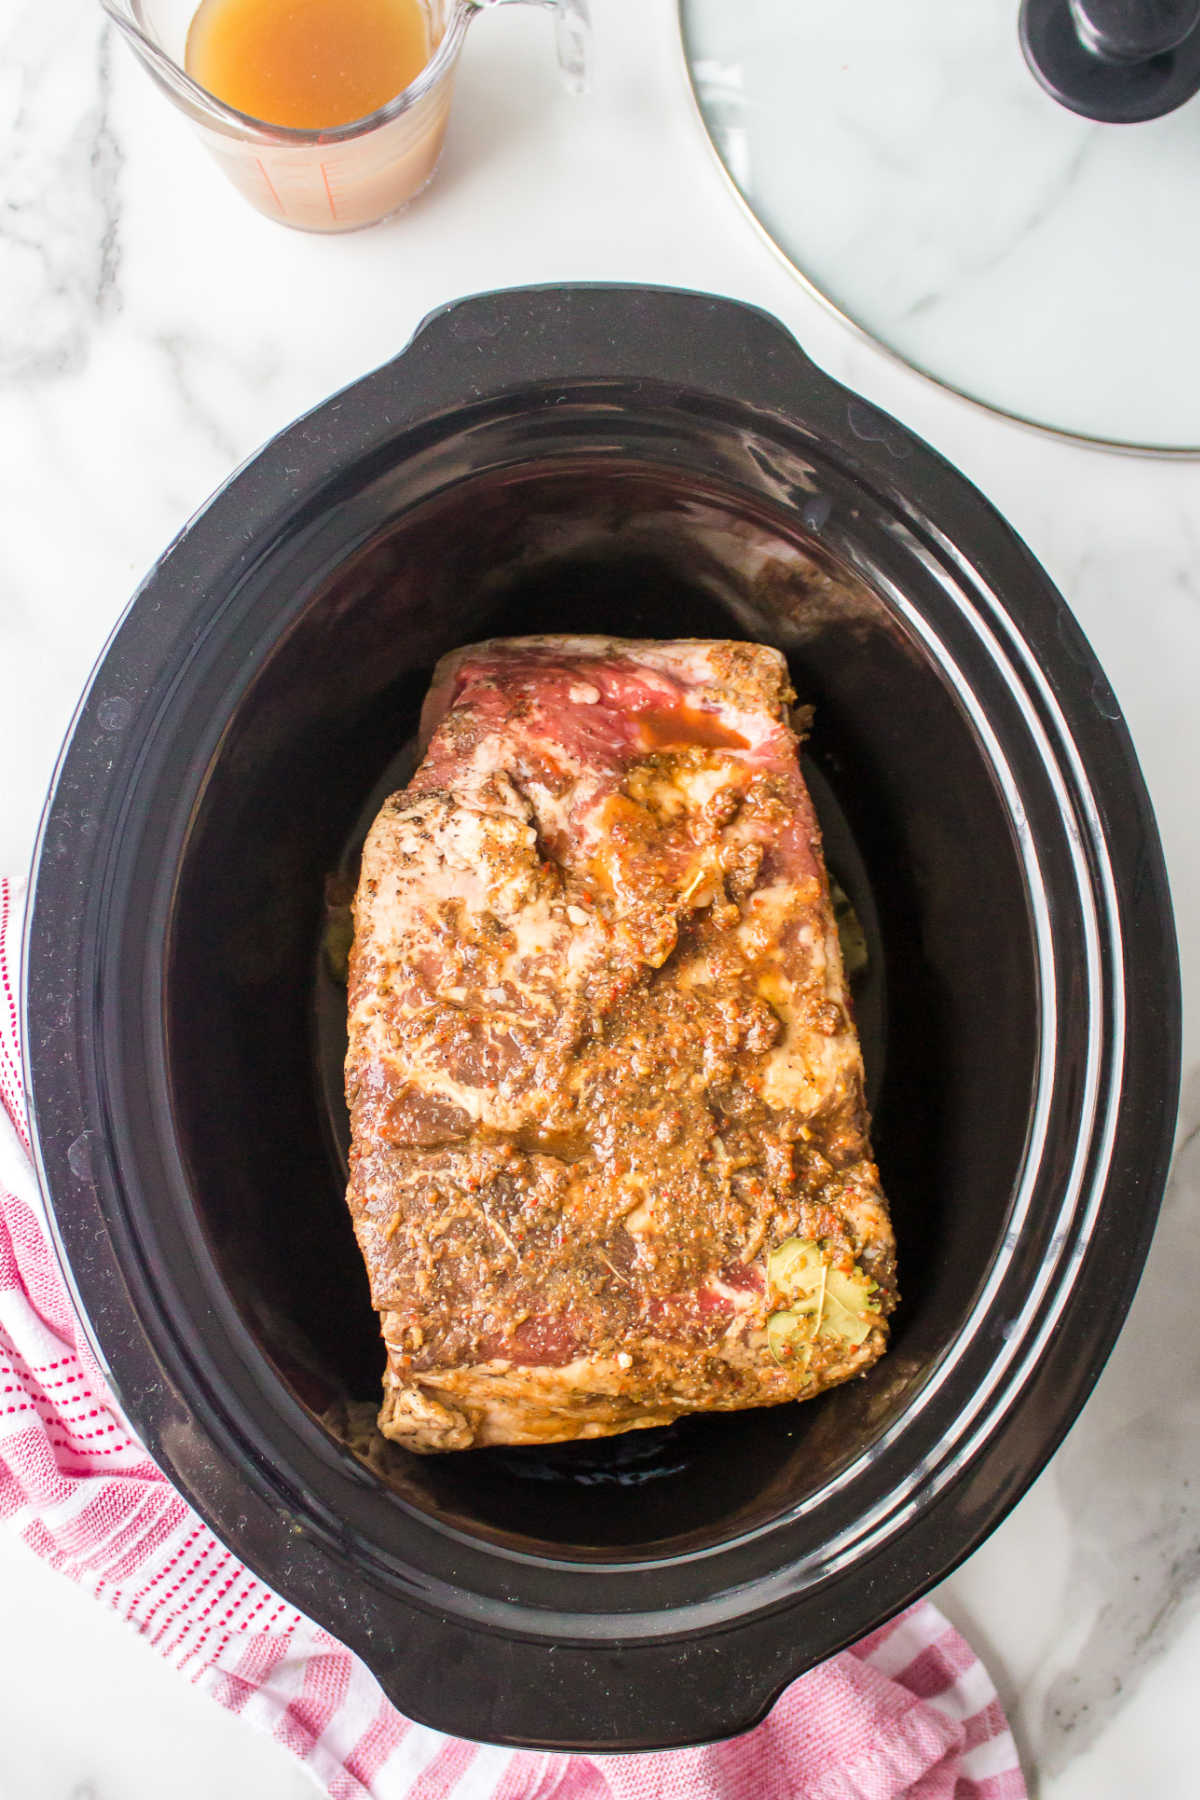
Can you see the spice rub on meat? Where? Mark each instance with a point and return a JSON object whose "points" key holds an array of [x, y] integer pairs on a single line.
{"points": [[610, 1160]]}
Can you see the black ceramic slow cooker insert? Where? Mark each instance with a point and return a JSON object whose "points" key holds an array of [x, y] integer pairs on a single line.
{"points": [[644, 462]]}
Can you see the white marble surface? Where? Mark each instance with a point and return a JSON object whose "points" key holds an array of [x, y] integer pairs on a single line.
{"points": [[153, 331]]}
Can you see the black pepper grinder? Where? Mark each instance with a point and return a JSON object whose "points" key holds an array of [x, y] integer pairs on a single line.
{"points": [[1121, 61]]}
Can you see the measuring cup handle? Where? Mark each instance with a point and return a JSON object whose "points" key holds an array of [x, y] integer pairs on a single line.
{"points": [[572, 36]]}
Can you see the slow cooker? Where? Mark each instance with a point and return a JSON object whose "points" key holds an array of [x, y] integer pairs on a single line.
{"points": [[652, 463]]}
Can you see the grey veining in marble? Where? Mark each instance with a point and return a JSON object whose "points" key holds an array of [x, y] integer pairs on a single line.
{"points": [[60, 252]]}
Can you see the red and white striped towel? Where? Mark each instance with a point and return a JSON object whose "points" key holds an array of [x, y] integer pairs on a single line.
{"points": [[909, 1711]]}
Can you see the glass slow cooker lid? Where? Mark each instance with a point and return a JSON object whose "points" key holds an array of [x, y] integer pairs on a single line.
{"points": [[907, 164]]}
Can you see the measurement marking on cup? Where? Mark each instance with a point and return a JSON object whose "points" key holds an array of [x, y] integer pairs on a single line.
{"points": [[328, 191], [270, 186]]}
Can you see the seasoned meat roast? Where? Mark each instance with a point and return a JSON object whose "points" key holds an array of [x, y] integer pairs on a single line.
{"points": [[610, 1158]]}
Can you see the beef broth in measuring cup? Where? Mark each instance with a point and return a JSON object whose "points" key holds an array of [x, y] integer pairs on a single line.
{"points": [[310, 64], [325, 114]]}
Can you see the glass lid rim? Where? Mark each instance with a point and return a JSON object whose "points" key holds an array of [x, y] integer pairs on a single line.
{"points": [[1062, 433]]}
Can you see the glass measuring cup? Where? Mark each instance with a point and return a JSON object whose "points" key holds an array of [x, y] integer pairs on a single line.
{"points": [[349, 175]]}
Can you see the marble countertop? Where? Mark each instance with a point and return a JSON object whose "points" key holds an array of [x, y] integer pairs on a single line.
{"points": [[154, 331]]}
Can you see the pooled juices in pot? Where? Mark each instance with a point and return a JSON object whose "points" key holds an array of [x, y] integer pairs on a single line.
{"points": [[307, 64]]}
